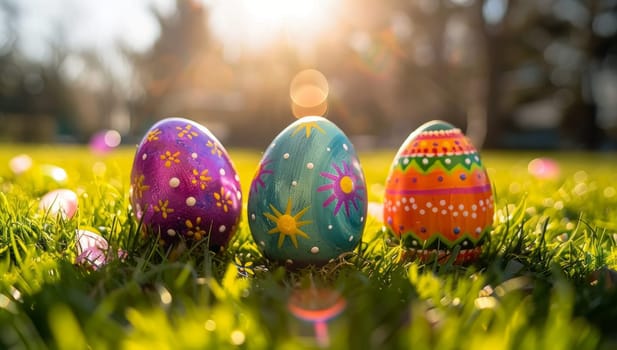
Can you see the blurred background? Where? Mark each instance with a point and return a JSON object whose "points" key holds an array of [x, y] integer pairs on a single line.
{"points": [[526, 74]]}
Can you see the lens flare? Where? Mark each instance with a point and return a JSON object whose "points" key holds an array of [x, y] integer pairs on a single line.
{"points": [[318, 306], [309, 91]]}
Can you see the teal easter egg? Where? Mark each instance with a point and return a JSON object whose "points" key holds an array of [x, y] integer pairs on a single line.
{"points": [[307, 203]]}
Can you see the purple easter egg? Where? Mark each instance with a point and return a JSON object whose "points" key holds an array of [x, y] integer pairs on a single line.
{"points": [[184, 185]]}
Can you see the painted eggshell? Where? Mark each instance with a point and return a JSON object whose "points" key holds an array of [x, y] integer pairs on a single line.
{"points": [[93, 250], [184, 185], [307, 203], [438, 195], [59, 202]]}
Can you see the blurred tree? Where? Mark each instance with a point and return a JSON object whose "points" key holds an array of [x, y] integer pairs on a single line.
{"points": [[552, 53], [243, 99], [49, 100], [32, 94], [499, 68], [496, 68], [171, 71], [454, 63], [583, 50]]}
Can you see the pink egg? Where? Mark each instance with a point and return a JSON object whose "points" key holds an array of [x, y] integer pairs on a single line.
{"points": [[91, 249], [59, 202]]}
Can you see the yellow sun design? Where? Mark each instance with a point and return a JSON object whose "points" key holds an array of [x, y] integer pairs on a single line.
{"points": [[287, 225], [308, 126]]}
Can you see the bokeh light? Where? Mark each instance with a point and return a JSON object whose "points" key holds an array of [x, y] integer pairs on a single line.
{"points": [[20, 164], [54, 173], [105, 141], [309, 91], [543, 168]]}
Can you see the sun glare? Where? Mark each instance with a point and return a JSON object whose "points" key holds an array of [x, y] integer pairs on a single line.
{"points": [[257, 24]]}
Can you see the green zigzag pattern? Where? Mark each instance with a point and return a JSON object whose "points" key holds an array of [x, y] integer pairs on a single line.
{"points": [[438, 241], [419, 162]]}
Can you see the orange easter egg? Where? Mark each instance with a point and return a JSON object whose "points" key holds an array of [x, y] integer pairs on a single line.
{"points": [[438, 195]]}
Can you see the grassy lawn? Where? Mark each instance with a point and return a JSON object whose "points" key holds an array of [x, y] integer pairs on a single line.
{"points": [[545, 280]]}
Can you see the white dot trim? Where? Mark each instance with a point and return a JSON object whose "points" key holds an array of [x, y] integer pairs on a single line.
{"points": [[174, 182]]}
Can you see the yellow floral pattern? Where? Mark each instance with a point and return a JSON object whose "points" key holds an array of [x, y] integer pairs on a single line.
{"points": [[194, 229], [215, 148], [153, 135], [186, 131], [170, 158], [139, 186], [162, 208], [201, 178], [223, 199]]}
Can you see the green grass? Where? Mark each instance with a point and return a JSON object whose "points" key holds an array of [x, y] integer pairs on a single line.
{"points": [[545, 279]]}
